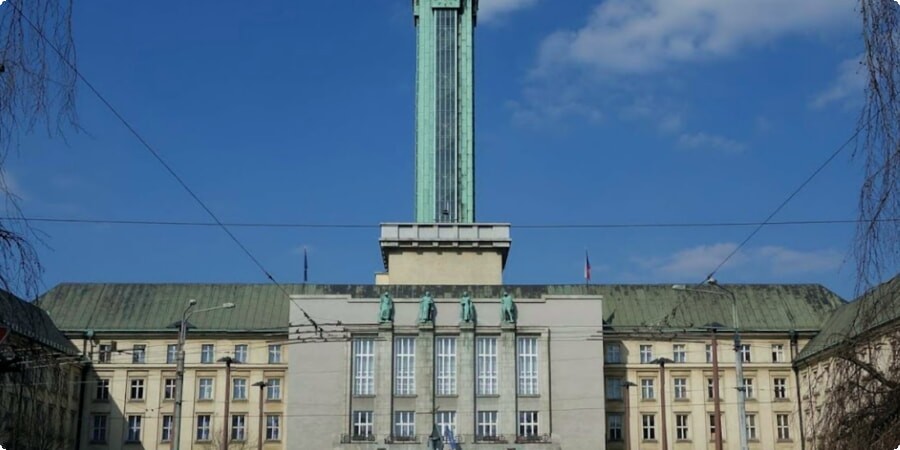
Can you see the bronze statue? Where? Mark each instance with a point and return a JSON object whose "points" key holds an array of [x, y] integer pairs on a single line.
{"points": [[508, 312], [386, 309], [466, 309], [426, 308]]}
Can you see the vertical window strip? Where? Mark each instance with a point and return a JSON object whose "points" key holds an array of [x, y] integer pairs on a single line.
{"points": [[446, 366], [487, 365], [528, 366], [405, 366], [364, 366]]}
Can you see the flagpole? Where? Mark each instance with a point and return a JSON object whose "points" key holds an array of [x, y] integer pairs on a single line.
{"points": [[305, 266]]}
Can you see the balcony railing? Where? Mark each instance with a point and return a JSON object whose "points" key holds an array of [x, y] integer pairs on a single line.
{"points": [[533, 439], [487, 439], [412, 439], [349, 438]]}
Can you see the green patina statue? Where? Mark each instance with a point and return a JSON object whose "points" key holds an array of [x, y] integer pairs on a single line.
{"points": [[466, 309], [386, 309], [426, 309], [508, 312]]}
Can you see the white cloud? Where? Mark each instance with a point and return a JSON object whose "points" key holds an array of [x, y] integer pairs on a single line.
{"points": [[489, 10], [847, 88], [639, 36], [706, 141]]}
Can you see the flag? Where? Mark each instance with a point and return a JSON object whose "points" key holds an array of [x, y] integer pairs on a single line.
{"points": [[305, 267], [451, 439], [587, 268]]}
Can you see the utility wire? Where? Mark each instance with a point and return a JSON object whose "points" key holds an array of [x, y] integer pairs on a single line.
{"points": [[156, 156]]}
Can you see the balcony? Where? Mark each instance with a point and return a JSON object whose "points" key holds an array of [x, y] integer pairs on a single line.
{"points": [[533, 439], [413, 439], [351, 438]]}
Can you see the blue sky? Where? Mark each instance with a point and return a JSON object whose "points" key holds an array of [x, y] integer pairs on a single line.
{"points": [[587, 112]]}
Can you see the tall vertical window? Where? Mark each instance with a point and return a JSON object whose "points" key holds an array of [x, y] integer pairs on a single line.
{"points": [[362, 425], [751, 426], [681, 427], [646, 353], [709, 353], [613, 353], [446, 365], [239, 389], [104, 353], [710, 389], [274, 353], [165, 434], [239, 427], [712, 427], [102, 389], [614, 427], [614, 388], [363, 366], [205, 389], [487, 365], [273, 389], [648, 427], [137, 389], [273, 426], [99, 426], [139, 354], [171, 353], [169, 389], [647, 389], [745, 353], [779, 386], [240, 353], [679, 353], [207, 353], [203, 424], [486, 427], [446, 423], [404, 425], [528, 424], [447, 115], [134, 429], [404, 366], [783, 427], [748, 388], [777, 353], [528, 365], [681, 388]]}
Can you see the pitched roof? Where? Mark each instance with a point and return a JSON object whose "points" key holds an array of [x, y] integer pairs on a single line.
{"points": [[31, 322], [154, 307], [874, 309]]}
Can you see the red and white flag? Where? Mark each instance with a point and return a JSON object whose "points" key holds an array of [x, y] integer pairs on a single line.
{"points": [[587, 268]]}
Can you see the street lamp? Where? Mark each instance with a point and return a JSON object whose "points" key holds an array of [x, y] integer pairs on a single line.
{"points": [[261, 385], [179, 383], [228, 361], [738, 360], [662, 398]]}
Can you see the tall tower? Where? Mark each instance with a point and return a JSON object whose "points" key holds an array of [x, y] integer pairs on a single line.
{"points": [[445, 166]]}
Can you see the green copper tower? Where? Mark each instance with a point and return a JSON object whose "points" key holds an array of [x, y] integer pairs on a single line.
{"points": [[445, 165]]}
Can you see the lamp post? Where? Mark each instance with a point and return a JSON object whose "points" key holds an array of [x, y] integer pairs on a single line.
{"points": [[717, 409], [179, 374], [627, 384], [228, 361], [261, 385], [662, 398]]}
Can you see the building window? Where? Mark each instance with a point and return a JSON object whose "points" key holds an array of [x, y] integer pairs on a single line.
{"points": [[648, 427], [203, 424], [171, 353], [274, 353], [646, 353], [487, 365], [165, 434], [780, 388], [614, 427], [240, 353], [273, 389], [404, 366], [710, 389], [362, 425], [137, 389], [647, 389], [748, 388], [709, 353], [102, 392], [613, 353], [134, 429], [98, 428], [777, 353], [446, 365], [528, 424], [783, 427], [679, 353], [751, 426], [139, 354], [104, 354], [205, 390], [446, 423], [745, 353], [207, 353], [169, 389], [238, 427], [487, 425], [273, 427], [528, 365], [712, 427], [681, 390], [681, 427], [613, 388], [404, 425], [363, 366], [239, 389]]}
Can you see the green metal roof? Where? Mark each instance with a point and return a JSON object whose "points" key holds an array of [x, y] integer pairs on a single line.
{"points": [[29, 321], [154, 307], [872, 310]]}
